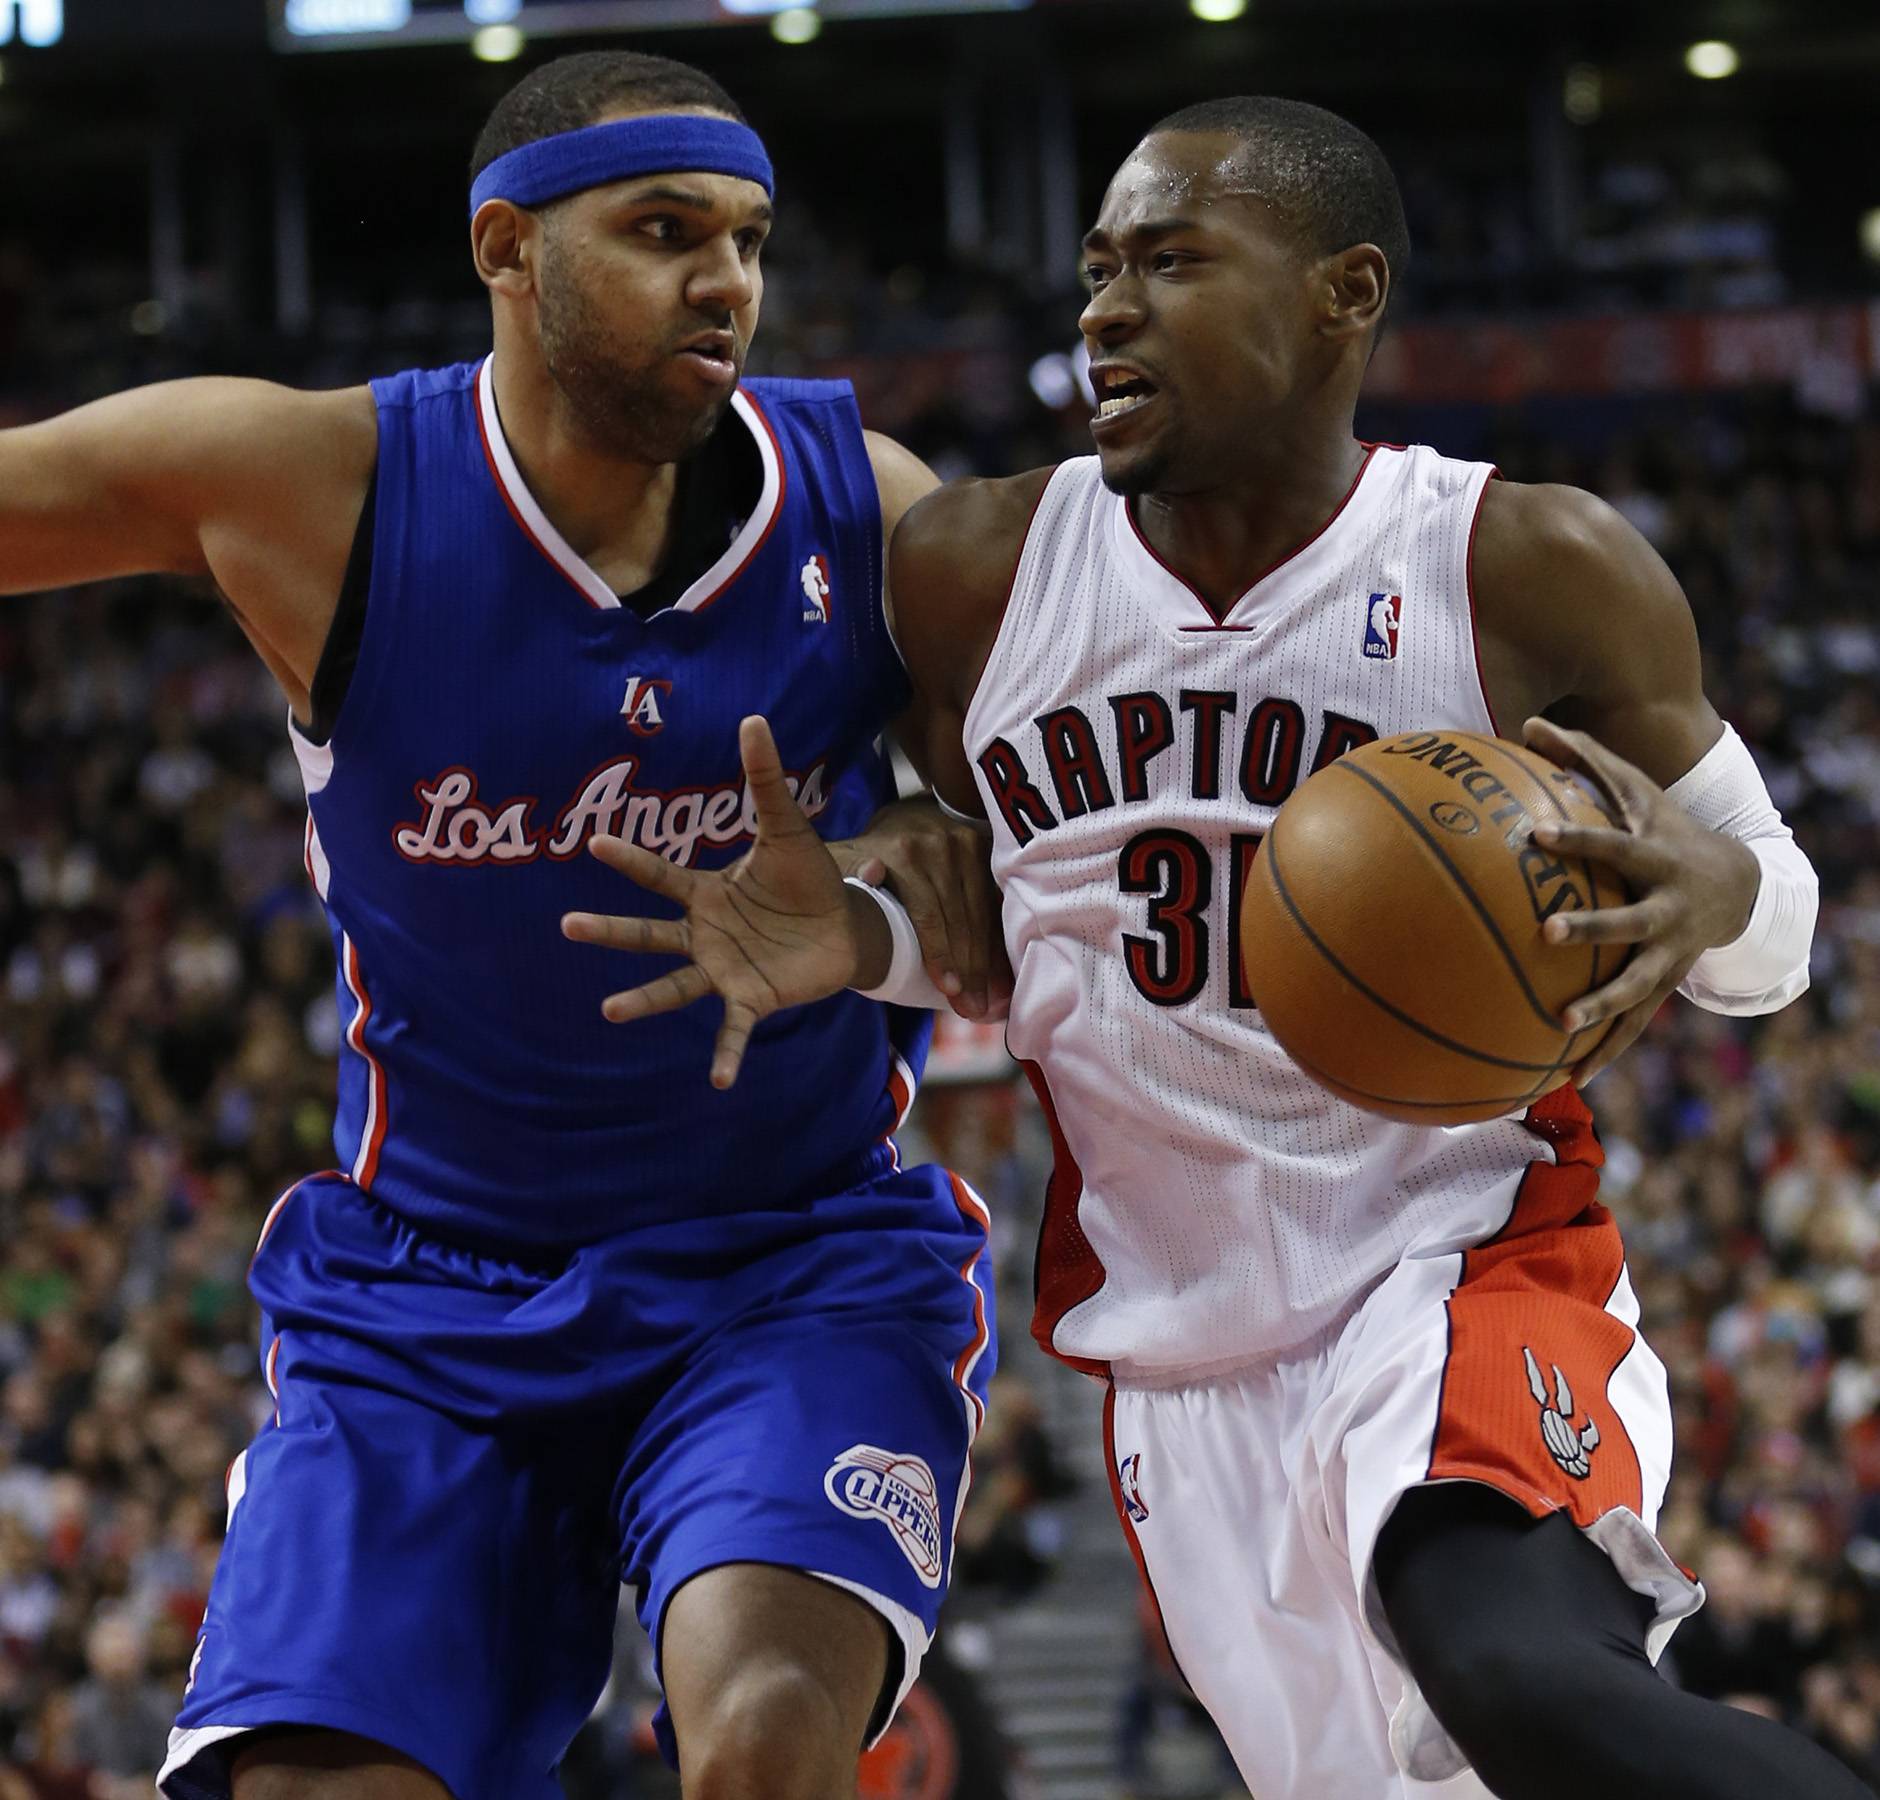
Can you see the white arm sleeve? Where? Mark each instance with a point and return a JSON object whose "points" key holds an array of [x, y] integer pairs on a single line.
{"points": [[907, 982], [1767, 967]]}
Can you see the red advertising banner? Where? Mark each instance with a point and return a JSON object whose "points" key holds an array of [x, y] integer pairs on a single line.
{"points": [[1822, 348]]}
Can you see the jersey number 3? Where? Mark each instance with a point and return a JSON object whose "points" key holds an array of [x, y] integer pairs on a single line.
{"points": [[1169, 962]]}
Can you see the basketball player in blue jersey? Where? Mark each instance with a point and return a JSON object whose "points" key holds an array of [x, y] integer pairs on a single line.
{"points": [[565, 1313]]}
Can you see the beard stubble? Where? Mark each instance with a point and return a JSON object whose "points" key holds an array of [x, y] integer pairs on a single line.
{"points": [[613, 390]]}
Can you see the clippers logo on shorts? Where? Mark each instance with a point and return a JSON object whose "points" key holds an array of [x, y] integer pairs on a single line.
{"points": [[1571, 1448], [1383, 614], [644, 707], [1129, 1479], [869, 1483], [815, 579]]}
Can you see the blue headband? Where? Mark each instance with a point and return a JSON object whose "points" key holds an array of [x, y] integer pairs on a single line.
{"points": [[650, 144]]}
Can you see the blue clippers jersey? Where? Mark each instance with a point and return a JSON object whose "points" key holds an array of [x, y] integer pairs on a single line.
{"points": [[504, 709]]}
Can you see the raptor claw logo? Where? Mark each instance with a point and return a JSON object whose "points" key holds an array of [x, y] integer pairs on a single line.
{"points": [[1572, 1448]]}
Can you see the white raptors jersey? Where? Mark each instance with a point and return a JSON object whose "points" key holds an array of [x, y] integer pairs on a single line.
{"points": [[1211, 1204]]}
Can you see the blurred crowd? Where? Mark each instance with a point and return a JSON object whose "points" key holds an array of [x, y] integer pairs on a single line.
{"points": [[1743, 1156], [167, 1031]]}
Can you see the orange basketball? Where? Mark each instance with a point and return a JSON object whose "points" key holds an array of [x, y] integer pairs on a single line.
{"points": [[1391, 927]]}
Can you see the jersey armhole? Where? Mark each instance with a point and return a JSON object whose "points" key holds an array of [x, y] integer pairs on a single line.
{"points": [[1005, 607], [339, 655], [1468, 583]]}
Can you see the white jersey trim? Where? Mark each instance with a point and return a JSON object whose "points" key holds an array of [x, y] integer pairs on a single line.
{"points": [[598, 593]]}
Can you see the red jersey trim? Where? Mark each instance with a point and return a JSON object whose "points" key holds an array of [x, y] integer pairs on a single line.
{"points": [[1298, 550], [1468, 582], [1068, 1269]]}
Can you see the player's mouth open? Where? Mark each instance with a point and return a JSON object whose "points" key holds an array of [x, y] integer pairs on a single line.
{"points": [[714, 356], [1120, 389]]}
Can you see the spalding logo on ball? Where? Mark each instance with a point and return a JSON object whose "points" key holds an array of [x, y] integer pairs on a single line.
{"points": [[1391, 927]]}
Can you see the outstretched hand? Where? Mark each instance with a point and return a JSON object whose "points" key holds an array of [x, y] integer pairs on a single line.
{"points": [[1691, 889], [772, 930]]}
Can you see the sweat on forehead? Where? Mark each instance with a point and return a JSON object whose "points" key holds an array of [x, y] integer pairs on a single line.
{"points": [[1314, 171], [1169, 176]]}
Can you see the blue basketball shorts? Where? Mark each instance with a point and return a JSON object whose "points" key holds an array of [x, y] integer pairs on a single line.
{"points": [[468, 1456]]}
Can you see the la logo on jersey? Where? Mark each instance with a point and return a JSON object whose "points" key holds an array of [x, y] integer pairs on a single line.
{"points": [[1383, 614], [899, 1491], [642, 708], [815, 579], [1129, 1479]]}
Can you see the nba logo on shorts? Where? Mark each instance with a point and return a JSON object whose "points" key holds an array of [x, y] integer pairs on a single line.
{"points": [[1129, 1479], [1382, 614], [899, 1491]]}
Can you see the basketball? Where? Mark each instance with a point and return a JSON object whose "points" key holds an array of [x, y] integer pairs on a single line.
{"points": [[1391, 927]]}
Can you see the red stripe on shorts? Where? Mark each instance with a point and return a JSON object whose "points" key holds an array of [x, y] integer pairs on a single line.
{"points": [[973, 1210], [1541, 1285]]}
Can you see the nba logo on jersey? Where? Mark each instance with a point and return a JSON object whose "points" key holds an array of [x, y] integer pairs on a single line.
{"points": [[1382, 614], [642, 707], [815, 579]]}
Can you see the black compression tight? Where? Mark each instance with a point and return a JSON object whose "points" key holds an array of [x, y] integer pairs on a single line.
{"points": [[1531, 1651]]}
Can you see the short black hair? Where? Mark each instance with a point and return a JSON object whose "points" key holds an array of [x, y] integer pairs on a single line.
{"points": [[573, 91], [1323, 175]]}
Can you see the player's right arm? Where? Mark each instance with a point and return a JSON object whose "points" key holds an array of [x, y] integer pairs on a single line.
{"points": [[257, 486]]}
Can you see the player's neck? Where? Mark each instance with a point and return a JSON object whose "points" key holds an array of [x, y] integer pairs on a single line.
{"points": [[616, 514], [1221, 540]]}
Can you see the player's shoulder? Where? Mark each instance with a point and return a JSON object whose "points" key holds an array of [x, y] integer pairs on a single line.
{"points": [[815, 426], [232, 431], [1544, 525], [974, 528], [411, 388], [1557, 569], [952, 563], [792, 392]]}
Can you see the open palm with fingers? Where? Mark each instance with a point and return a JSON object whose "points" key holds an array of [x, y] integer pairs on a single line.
{"points": [[772, 930]]}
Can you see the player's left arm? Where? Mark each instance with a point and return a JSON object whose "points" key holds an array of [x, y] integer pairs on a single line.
{"points": [[1586, 627], [936, 865]]}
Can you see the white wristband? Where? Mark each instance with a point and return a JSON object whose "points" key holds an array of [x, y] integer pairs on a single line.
{"points": [[1765, 967], [907, 982]]}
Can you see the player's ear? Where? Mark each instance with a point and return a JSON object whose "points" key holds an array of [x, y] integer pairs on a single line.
{"points": [[1356, 285], [504, 244]]}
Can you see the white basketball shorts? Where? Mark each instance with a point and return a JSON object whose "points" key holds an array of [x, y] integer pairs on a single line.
{"points": [[1253, 1501]]}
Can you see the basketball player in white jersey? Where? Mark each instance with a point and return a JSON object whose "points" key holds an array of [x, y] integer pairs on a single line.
{"points": [[1384, 1437]]}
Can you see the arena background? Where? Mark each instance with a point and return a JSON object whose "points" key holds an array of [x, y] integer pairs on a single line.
{"points": [[1645, 267]]}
